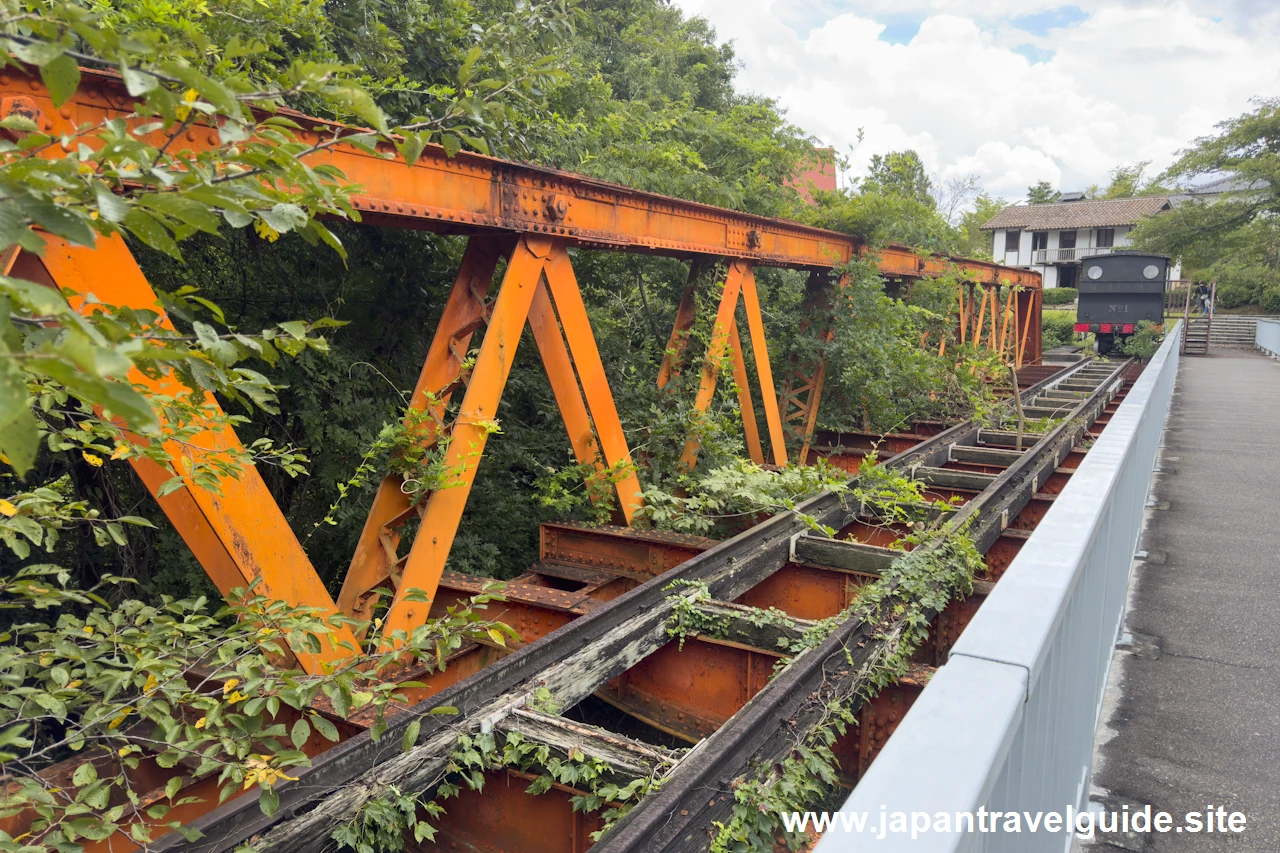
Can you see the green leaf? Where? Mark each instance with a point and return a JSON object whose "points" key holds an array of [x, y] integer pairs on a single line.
{"points": [[39, 54], [19, 431], [62, 78], [477, 143], [326, 728], [60, 220], [19, 122], [300, 732], [452, 144], [268, 801], [170, 486], [172, 787], [284, 217], [13, 223], [411, 736], [360, 103], [411, 148], [296, 328], [186, 210], [111, 207], [138, 83], [84, 775], [467, 69], [148, 229]]}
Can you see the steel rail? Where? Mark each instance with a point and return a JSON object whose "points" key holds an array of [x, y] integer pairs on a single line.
{"points": [[472, 193], [679, 816], [611, 639]]}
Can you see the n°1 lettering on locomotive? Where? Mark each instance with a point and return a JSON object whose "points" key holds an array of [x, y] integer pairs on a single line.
{"points": [[1119, 309]]}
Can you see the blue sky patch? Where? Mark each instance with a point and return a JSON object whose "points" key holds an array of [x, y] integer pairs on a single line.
{"points": [[1032, 53], [899, 29], [1040, 23]]}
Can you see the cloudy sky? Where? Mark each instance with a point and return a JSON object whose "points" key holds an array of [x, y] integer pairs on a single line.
{"points": [[1016, 91]]}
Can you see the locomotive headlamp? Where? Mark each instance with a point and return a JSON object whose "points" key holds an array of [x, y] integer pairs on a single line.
{"points": [[1151, 271], [1095, 272]]}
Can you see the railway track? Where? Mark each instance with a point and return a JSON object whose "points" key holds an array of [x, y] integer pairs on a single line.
{"points": [[734, 695]]}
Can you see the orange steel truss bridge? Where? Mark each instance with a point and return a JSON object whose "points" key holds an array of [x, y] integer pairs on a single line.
{"points": [[527, 219]]}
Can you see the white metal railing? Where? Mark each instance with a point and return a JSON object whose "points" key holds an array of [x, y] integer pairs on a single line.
{"points": [[1008, 722], [1051, 256], [1267, 337]]}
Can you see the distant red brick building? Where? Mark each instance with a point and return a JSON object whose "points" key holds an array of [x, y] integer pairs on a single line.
{"points": [[819, 174]]}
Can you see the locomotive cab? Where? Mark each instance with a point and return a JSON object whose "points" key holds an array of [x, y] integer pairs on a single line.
{"points": [[1117, 292]]}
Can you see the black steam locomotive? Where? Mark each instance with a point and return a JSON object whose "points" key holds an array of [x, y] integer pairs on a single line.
{"points": [[1119, 291]]}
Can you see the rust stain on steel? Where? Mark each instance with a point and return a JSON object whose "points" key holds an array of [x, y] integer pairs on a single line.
{"points": [[502, 818], [471, 192]]}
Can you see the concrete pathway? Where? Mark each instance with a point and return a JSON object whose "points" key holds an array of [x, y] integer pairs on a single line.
{"points": [[1192, 717]]}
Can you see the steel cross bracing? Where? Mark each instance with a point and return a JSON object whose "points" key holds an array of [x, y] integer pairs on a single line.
{"points": [[1005, 492], [530, 217]]}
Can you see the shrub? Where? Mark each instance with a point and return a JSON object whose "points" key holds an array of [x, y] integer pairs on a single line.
{"points": [[1144, 342], [1058, 328], [1233, 295], [1060, 295]]}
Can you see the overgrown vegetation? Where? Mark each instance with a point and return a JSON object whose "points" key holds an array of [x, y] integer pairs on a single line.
{"points": [[630, 91], [262, 269], [940, 566], [1144, 342], [1058, 329], [386, 820], [205, 691]]}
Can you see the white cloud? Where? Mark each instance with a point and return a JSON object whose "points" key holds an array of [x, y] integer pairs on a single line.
{"points": [[1130, 81]]}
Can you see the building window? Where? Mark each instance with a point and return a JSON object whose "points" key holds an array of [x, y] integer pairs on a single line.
{"points": [[1039, 240], [1106, 238], [1011, 239], [1067, 240]]}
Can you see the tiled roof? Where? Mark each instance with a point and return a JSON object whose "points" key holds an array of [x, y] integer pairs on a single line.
{"points": [[1077, 214]]}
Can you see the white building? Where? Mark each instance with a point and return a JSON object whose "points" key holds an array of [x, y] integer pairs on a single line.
{"points": [[1054, 238]]}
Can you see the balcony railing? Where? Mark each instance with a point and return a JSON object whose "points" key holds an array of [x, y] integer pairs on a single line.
{"points": [[1059, 256]]}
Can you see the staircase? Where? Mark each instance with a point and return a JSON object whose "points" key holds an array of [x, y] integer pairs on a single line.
{"points": [[1195, 336], [1226, 330], [1234, 330]]}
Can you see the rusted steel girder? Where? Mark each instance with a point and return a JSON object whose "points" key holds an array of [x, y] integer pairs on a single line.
{"points": [[472, 193], [617, 640], [241, 537]]}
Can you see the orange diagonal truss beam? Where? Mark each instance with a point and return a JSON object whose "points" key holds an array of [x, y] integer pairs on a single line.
{"points": [[539, 288], [240, 536], [739, 281], [530, 215]]}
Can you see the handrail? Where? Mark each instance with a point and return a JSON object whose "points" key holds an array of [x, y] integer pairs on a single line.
{"points": [[1266, 336], [1186, 322], [1071, 253], [1025, 681], [1213, 306]]}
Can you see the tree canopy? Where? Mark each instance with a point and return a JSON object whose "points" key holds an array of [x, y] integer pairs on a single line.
{"points": [[306, 326], [1233, 239]]}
